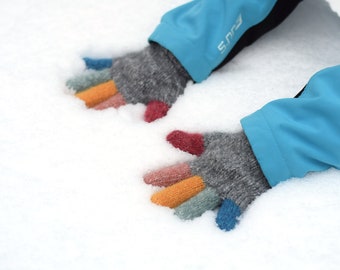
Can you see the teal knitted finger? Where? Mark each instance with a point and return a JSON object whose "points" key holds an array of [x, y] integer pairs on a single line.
{"points": [[89, 79], [206, 200]]}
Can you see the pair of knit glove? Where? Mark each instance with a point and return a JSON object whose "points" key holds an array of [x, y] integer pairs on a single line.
{"points": [[225, 174]]}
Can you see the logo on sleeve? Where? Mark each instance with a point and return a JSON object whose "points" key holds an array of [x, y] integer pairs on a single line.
{"points": [[225, 43]]}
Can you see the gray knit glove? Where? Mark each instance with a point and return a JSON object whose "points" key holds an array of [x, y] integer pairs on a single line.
{"points": [[152, 76], [225, 174]]}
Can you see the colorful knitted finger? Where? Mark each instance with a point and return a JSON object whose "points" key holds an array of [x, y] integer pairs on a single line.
{"points": [[192, 143], [97, 63], [226, 173], [180, 192], [98, 94], [152, 77], [88, 79], [196, 206]]}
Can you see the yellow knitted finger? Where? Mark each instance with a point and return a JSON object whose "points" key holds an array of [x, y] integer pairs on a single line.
{"points": [[180, 192], [98, 93]]}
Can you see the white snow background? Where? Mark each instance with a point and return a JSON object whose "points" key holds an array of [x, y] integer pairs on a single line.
{"points": [[71, 190]]}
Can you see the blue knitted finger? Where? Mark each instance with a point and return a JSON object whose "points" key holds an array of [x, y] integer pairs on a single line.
{"points": [[227, 216], [97, 63]]}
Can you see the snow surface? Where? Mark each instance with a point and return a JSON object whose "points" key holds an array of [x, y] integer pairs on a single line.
{"points": [[71, 189]]}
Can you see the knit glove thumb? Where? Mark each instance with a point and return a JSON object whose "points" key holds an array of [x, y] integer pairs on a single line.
{"points": [[152, 76], [225, 175]]}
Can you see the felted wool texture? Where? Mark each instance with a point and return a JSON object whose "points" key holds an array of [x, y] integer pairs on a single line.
{"points": [[229, 166], [148, 75]]}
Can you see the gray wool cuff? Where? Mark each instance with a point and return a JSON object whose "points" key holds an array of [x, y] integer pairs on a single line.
{"points": [[229, 166], [151, 74]]}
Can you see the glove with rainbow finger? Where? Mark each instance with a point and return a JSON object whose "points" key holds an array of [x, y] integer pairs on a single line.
{"points": [[225, 175], [152, 76]]}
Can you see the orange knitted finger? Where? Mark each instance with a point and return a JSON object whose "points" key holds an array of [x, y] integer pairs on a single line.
{"points": [[180, 192], [98, 93]]}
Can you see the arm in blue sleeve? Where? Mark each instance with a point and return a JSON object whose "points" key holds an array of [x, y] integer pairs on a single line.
{"points": [[205, 34], [291, 137]]}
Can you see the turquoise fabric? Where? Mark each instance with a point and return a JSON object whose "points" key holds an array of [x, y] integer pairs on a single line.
{"points": [[291, 137], [201, 33]]}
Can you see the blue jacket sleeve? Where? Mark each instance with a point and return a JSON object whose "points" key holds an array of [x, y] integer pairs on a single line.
{"points": [[291, 137], [201, 33]]}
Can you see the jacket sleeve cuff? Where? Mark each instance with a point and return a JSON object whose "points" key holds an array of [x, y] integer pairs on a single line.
{"points": [[265, 148], [179, 46]]}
